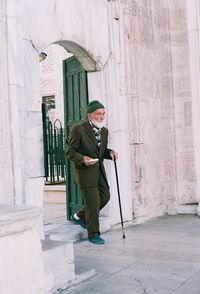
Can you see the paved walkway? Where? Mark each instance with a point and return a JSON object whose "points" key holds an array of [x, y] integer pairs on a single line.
{"points": [[161, 256]]}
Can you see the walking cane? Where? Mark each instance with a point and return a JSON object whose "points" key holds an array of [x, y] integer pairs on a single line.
{"points": [[120, 207]]}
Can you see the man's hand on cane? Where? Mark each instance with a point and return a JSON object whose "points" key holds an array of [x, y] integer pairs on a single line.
{"points": [[113, 155]]}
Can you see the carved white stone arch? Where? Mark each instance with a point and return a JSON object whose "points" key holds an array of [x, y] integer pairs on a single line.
{"points": [[81, 54]]}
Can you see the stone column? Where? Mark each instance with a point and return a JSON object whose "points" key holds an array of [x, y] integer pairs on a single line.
{"points": [[193, 14], [21, 270], [116, 101], [150, 105], [6, 164], [25, 112]]}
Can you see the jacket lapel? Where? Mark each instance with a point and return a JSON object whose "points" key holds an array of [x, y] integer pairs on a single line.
{"points": [[103, 139], [90, 133]]}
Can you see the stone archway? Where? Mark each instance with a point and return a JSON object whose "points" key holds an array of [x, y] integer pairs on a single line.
{"points": [[80, 53], [35, 28]]}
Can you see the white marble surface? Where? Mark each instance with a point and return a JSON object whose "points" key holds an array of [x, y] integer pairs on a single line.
{"points": [[14, 219], [34, 159], [160, 114], [21, 269], [66, 22], [6, 169], [34, 197], [58, 264], [25, 110], [193, 15]]}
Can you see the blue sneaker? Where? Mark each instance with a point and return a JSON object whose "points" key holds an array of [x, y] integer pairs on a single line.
{"points": [[78, 222], [96, 239]]}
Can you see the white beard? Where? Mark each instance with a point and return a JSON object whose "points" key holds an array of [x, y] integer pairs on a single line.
{"points": [[98, 124]]}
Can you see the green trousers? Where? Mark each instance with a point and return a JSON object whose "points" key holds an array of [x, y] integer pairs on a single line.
{"points": [[95, 198]]}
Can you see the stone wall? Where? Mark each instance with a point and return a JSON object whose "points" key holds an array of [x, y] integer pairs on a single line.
{"points": [[25, 119], [159, 106], [185, 175], [138, 63]]}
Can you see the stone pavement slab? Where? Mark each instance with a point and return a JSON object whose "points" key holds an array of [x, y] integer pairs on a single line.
{"points": [[160, 256]]}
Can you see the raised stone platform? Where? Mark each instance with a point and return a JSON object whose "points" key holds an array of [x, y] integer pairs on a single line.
{"points": [[21, 270]]}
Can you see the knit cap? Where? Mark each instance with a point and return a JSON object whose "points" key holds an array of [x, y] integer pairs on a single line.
{"points": [[94, 105]]}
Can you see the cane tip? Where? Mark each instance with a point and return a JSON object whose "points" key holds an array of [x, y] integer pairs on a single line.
{"points": [[124, 237]]}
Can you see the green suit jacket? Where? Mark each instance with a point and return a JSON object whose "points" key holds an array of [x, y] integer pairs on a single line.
{"points": [[82, 142]]}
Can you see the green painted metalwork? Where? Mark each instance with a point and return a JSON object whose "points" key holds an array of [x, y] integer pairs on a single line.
{"points": [[75, 103], [54, 150]]}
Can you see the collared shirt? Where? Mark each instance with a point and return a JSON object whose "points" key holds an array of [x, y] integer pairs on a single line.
{"points": [[97, 133]]}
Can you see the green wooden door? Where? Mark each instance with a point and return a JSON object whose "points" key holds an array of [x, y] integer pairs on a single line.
{"points": [[75, 102]]}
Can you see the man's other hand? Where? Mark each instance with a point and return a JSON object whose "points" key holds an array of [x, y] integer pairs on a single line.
{"points": [[89, 161]]}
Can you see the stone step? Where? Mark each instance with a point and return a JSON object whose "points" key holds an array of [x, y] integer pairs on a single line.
{"points": [[55, 194], [59, 268], [72, 232], [190, 208]]}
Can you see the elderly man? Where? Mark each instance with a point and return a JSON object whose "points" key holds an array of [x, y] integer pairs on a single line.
{"points": [[87, 149]]}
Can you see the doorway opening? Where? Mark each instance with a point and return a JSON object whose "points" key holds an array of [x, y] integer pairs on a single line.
{"points": [[64, 93]]}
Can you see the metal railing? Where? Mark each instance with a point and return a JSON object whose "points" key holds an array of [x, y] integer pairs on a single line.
{"points": [[54, 150]]}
